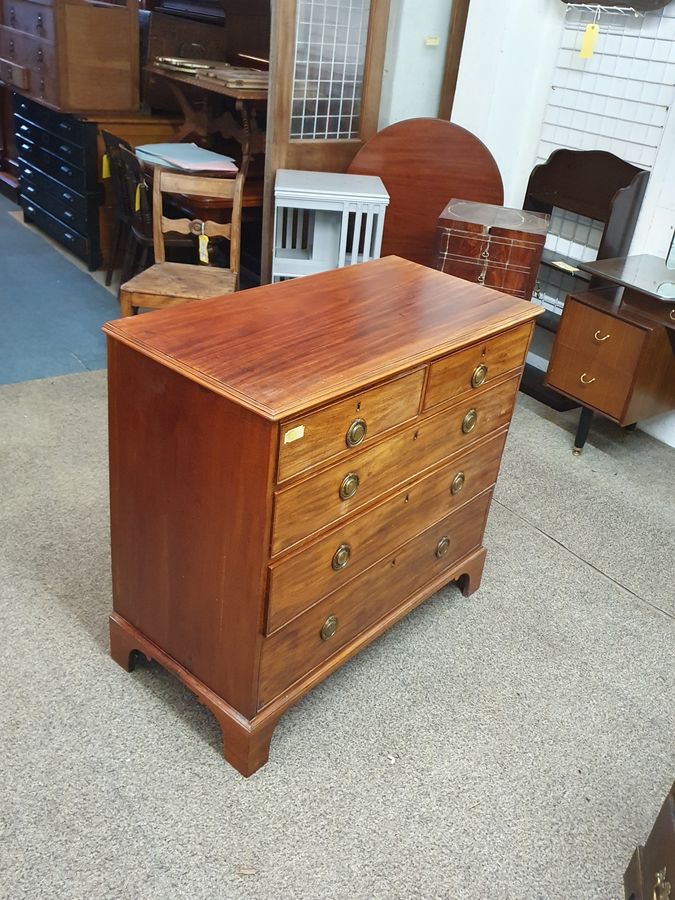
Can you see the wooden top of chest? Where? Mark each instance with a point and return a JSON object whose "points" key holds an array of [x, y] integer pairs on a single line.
{"points": [[284, 348]]}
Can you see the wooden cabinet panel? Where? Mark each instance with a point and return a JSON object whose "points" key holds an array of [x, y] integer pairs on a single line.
{"points": [[298, 581], [300, 646], [462, 373], [353, 422], [308, 506]]}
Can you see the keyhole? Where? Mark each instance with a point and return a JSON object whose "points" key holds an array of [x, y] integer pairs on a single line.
{"points": [[407, 498], [358, 406], [415, 436]]}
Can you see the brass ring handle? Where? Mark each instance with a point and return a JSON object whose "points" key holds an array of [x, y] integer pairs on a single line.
{"points": [[585, 380], [349, 486], [442, 547], [457, 483], [329, 628], [469, 421], [601, 339], [672, 314], [356, 433], [341, 557], [479, 375]]}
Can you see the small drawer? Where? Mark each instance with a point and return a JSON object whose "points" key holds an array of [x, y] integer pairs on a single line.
{"points": [[313, 438], [587, 379], [308, 506], [465, 371], [604, 338], [29, 17], [320, 632], [297, 582], [14, 75]]}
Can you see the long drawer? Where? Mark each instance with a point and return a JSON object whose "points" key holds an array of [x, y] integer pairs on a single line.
{"points": [[298, 581], [320, 632], [58, 146], [315, 437], [464, 372], [65, 172], [335, 492], [75, 130], [587, 378], [77, 243], [80, 211]]}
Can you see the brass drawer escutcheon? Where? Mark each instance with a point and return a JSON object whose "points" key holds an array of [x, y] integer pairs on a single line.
{"points": [[356, 433], [469, 421], [329, 628], [349, 486], [341, 557], [442, 547], [479, 375], [457, 483]]}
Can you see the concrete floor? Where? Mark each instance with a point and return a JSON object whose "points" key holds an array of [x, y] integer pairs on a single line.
{"points": [[517, 744]]}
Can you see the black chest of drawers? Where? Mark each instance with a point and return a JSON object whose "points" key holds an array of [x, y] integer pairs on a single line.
{"points": [[59, 190]]}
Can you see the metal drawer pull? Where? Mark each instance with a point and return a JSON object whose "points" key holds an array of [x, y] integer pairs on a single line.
{"points": [[672, 314], [349, 486], [469, 421], [356, 433], [479, 375], [329, 628], [457, 483], [599, 339], [586, 380], [38, 23], [341, 557], [661, 886], [442, 547]]}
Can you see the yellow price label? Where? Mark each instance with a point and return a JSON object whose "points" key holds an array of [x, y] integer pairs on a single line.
{"points": [[204, 249], [589, 40], [137, 199], [105, 166]]}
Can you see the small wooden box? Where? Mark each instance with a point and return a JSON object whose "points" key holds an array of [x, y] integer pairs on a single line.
{"points": [[72, 55], [491, 245]]}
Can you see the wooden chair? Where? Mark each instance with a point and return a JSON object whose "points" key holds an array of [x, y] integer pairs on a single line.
{"points": [[169, 283]]}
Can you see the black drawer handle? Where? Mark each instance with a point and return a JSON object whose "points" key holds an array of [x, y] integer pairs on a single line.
{"points": [[66, 170], [67, 197], [66, 150], [68, 236], [67, 214]]}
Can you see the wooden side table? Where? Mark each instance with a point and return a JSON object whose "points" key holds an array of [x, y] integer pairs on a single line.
{"points": [[614, 351], [491, 245]]}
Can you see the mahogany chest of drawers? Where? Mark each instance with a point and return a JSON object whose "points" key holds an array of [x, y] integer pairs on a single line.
{"points": [[294, 468], [491, 245]]}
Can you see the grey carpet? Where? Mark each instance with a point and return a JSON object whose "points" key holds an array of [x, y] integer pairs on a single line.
{"points": [[517, 744]]}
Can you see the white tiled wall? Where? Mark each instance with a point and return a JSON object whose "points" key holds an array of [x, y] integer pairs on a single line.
{"points": [[618, 100]]}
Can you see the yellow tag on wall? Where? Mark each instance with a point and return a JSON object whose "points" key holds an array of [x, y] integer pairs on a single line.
{"points": [[137, 199], [204, 249], [105, 166], [589, 40]]}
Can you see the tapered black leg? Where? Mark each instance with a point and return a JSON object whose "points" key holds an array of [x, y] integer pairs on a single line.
{"points": [[583, 427]]}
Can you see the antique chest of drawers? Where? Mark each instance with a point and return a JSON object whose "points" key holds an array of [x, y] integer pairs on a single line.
{"points": [[491, 245], [294, 468], [71, 54]]}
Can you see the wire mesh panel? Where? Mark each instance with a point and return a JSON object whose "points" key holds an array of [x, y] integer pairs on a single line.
{"points": [[330, 49]]}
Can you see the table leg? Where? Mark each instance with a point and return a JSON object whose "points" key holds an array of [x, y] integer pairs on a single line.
{"points": [[583, 427]]}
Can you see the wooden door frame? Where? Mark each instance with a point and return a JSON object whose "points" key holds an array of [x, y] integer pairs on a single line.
{"points": [[277, 155], [453, 54]]}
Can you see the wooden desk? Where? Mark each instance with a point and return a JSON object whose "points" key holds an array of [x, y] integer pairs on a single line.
{"points": [[292, 471], [614, 351], [203, 122]]}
